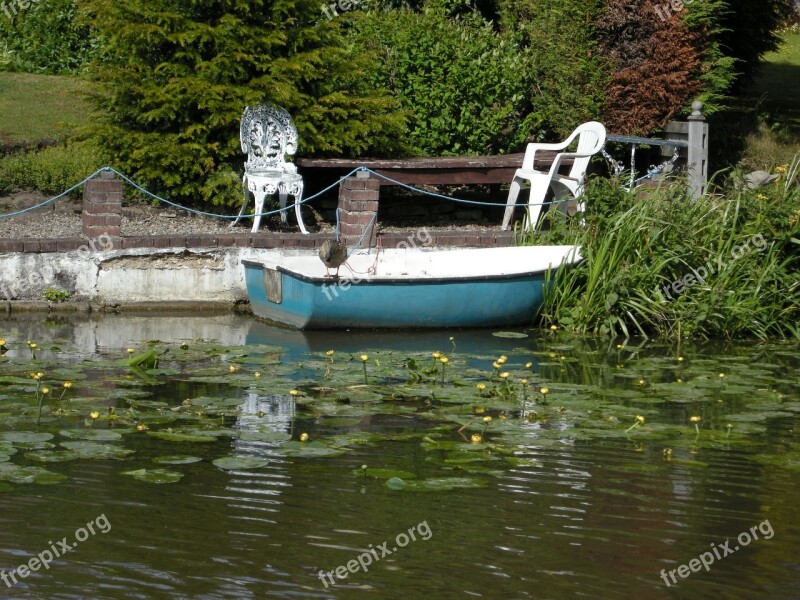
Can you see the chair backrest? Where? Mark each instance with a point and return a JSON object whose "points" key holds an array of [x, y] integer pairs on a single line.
{"points": [[267, 134], [591, 137]]}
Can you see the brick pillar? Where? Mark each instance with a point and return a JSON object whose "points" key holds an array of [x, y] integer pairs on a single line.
{"points": [[358, 205], [102, 206]]}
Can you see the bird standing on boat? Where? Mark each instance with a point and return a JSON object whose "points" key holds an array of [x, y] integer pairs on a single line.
{"points": [[333, 254]]}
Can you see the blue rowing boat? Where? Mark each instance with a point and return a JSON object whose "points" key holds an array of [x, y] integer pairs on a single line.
{"points": [[407, 288]]}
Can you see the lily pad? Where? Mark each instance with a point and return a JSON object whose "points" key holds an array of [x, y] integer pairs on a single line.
{"points": [[437, 484], [16, 474], [240, 463], [155, 475], [509, 334], [176, 459]]}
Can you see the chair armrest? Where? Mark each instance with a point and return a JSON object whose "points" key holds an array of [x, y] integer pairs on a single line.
{"points": [[529, 160]]}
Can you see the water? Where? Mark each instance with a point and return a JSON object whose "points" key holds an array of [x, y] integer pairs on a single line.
{"points": [[572, 506]]}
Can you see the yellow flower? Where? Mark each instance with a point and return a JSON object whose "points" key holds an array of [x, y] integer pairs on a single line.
{"points": [[679, 380], [487, 419], [329, 353], [131, 350], [497, 365], [479, 410], [364, 358], [528, 365], [94, 414], [782, 169], [45, 390], [642, 382], [722, 375], [294, 393], [32, 345], [503, 358], [186, 402], [444, 360], [476, 438], [436, 354], [481, 386], [2, 342], [184, 346], [452, 338], [257, 375], [694, 419], [523, 381], [761, 197], [553, 327], [667, 452], [141, 427], [544, 390], [233, 368], [504, 375], [680, 359], [303, 437], [640, 419], [67, 385]]}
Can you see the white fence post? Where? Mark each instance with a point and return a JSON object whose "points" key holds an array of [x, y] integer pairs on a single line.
{"points": [[697, 159]]}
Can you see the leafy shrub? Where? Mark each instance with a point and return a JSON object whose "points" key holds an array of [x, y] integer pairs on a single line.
{"points": [[465, 85], [739, 251], [46, 37], [52, 170], [176, 77]]}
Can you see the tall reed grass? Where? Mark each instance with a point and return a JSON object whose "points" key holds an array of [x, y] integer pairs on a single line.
{"points": [[659, 264]]}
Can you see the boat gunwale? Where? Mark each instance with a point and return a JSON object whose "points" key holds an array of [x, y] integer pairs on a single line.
{"points": [[404, 280]]}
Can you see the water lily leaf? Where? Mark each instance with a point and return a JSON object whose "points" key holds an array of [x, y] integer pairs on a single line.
{"points": [[16, 474], [155, 475], [97, 435], [176, 459], [25, 437], [52, 456], [437, 484], [177, 436], [240, 463], [509, 334], [95, 450]]}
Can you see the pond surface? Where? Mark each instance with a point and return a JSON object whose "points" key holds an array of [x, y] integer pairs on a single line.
{"points": [[222, 458]]}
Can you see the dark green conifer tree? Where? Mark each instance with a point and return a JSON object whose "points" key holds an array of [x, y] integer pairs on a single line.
{"points": [[176, 75]]}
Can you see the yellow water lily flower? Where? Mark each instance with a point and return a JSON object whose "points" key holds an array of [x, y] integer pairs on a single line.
{"points": [[694, 419], [233, 369], [436, 354], [481, 386], [303, 437], [444, 360], [504, 375], [476, 438], [294, 393], [329, 353], [67, 385], [257, 375], [364, 358], [131, 350], [45, 390], [544, 390], [94, 414], [528, 365], [487, 419]]}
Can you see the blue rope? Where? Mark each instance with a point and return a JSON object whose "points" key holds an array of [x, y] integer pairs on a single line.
{"points": [[363, 235], [247, 216], [443, 197], [53, 199]]}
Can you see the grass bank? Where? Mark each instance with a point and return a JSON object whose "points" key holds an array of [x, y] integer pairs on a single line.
{"points": [[725, 265], [40, 109]]}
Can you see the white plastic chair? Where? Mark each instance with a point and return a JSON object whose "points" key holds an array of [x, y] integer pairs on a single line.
{"points": [[591, 137]]}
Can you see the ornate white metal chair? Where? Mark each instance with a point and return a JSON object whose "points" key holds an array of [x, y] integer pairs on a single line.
{"points": [[267, 134], [591, 136]]}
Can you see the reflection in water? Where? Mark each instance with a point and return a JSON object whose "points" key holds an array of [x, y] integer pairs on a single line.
{"points": [[586, 518]]}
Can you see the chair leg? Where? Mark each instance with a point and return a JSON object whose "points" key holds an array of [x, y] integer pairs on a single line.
{"points": [[282, 196], [297, 199], [513, 192], [244, 202], [260, 195], [539, 187]]}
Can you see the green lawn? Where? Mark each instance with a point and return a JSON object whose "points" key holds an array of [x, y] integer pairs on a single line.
{"points": [[779, 84], [35, 108]]}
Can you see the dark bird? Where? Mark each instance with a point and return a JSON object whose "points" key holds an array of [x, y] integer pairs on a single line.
{"points": [[333, 254]]}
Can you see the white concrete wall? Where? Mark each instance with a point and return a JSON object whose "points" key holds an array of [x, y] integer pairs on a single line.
{"points": [[137, 275]]}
